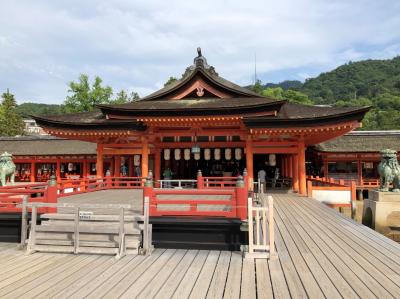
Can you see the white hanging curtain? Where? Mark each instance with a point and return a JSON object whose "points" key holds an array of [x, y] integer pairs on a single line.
{"points": [[136, 160], [186, 154], [177, 154], [228, 154], [207, 154], [167, 154], [238, 153], [217, 154], [272, 159], [197, 156]]}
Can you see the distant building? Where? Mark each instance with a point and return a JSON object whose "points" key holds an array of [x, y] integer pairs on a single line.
{"points": [[31, 128]]}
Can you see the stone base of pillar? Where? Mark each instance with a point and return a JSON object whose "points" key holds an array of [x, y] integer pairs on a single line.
{"points": [[382, 212]]}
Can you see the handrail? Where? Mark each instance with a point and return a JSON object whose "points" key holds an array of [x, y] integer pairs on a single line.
{"points": [[261, 227]]}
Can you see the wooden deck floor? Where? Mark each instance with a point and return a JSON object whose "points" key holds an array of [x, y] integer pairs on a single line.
{"points": [[322, 254]]}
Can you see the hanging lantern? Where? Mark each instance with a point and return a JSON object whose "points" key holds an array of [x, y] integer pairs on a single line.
{"points": [[238, 153], [228, 154], [177, 154], [207, 154], [167, 154], [217, 154], [70, 167], [272, 160], [136, 160], [197, 156], [186, 154]]}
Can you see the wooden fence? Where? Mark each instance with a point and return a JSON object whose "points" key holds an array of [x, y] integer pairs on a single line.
{"points": [[261, 227]]}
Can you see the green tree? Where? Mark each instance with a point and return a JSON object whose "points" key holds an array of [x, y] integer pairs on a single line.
{"points": [[11, 123], [170, 80], [257, 87], [291, 95], [85, 96], [122, 97]]}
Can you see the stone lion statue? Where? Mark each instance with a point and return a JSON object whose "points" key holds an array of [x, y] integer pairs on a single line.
{"points": [[7, 168], [389, 171]]}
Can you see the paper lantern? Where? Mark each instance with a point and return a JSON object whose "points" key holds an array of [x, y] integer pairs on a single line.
{"points": [[228, 154], [167, 154], [197, 156], [136, 160], [217, 154], [272, 159], [238, 153], [207, 154], [177, 153], [70, 167], [186, 154]]}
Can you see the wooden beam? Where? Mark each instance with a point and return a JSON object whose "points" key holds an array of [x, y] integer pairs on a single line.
{"points": [[99, 161], [295, 173], [302, 168], [274, 150]]}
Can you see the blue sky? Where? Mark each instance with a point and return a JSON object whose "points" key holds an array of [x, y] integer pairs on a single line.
{"points": [[137, 45]]}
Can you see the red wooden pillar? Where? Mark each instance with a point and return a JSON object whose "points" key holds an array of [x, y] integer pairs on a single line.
{"points": [[249, 162], [117, 166], [33, 171], [85, 172], [302, 168], [145, 158], [295, 173], [290, 165], [99, 161], [359, 171], [58, 169], [157, 164]]}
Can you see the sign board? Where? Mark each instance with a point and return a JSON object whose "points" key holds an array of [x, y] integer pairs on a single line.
{"points": [[85, 215]]}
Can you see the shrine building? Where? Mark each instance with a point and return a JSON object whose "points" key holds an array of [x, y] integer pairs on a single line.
{"points": [[202, 122]]}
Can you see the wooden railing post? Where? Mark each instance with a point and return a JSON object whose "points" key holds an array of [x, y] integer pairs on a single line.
{"points": [[309, 189], [200, 180], [52, 193], [250, 223], [241, 198], [76, 231], [148, 192], [271, 225], [24, 221], [146, 228]]}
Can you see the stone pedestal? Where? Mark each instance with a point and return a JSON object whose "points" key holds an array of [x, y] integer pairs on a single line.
{"points": [[380, 210]]}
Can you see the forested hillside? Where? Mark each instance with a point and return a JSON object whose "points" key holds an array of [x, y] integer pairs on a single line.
{"points": [[373, 83]]}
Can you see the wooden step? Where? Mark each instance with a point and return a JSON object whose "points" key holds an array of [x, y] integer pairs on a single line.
{"points": [[94, 217], [70, 249], [131, 244], [99, 229], [128, 225], [85, 237]]}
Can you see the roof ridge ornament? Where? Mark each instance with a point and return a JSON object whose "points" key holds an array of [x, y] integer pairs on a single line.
{"points": [[200, 62]]}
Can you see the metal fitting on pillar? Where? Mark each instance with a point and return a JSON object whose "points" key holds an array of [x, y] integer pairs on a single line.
{"points": [[239, 181], [149, 181], [52, 181]]}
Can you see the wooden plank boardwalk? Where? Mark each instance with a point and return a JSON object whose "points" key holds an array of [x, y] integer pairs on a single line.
{"points": [[322, 254]]}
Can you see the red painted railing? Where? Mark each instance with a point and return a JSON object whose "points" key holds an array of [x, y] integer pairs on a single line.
{"points": [[198, 202], [72, 187], [317, 183], [11, 196]]}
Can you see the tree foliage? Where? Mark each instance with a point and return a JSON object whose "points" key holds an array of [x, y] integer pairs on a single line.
{"points": [[85, 96], [11, 123], [25, 110], [170, 80]]}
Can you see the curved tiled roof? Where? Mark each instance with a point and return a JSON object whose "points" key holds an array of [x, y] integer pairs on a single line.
{"points": [[45, 146], [362, 141]]}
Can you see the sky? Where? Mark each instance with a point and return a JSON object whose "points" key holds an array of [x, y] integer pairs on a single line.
{"points": [[138, 45]]}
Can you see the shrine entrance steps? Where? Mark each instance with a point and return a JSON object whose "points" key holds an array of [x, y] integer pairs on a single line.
{"points": [[79, 229]]}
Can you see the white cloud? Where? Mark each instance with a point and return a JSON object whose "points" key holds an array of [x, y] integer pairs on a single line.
{"points": [[46, 44]]}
